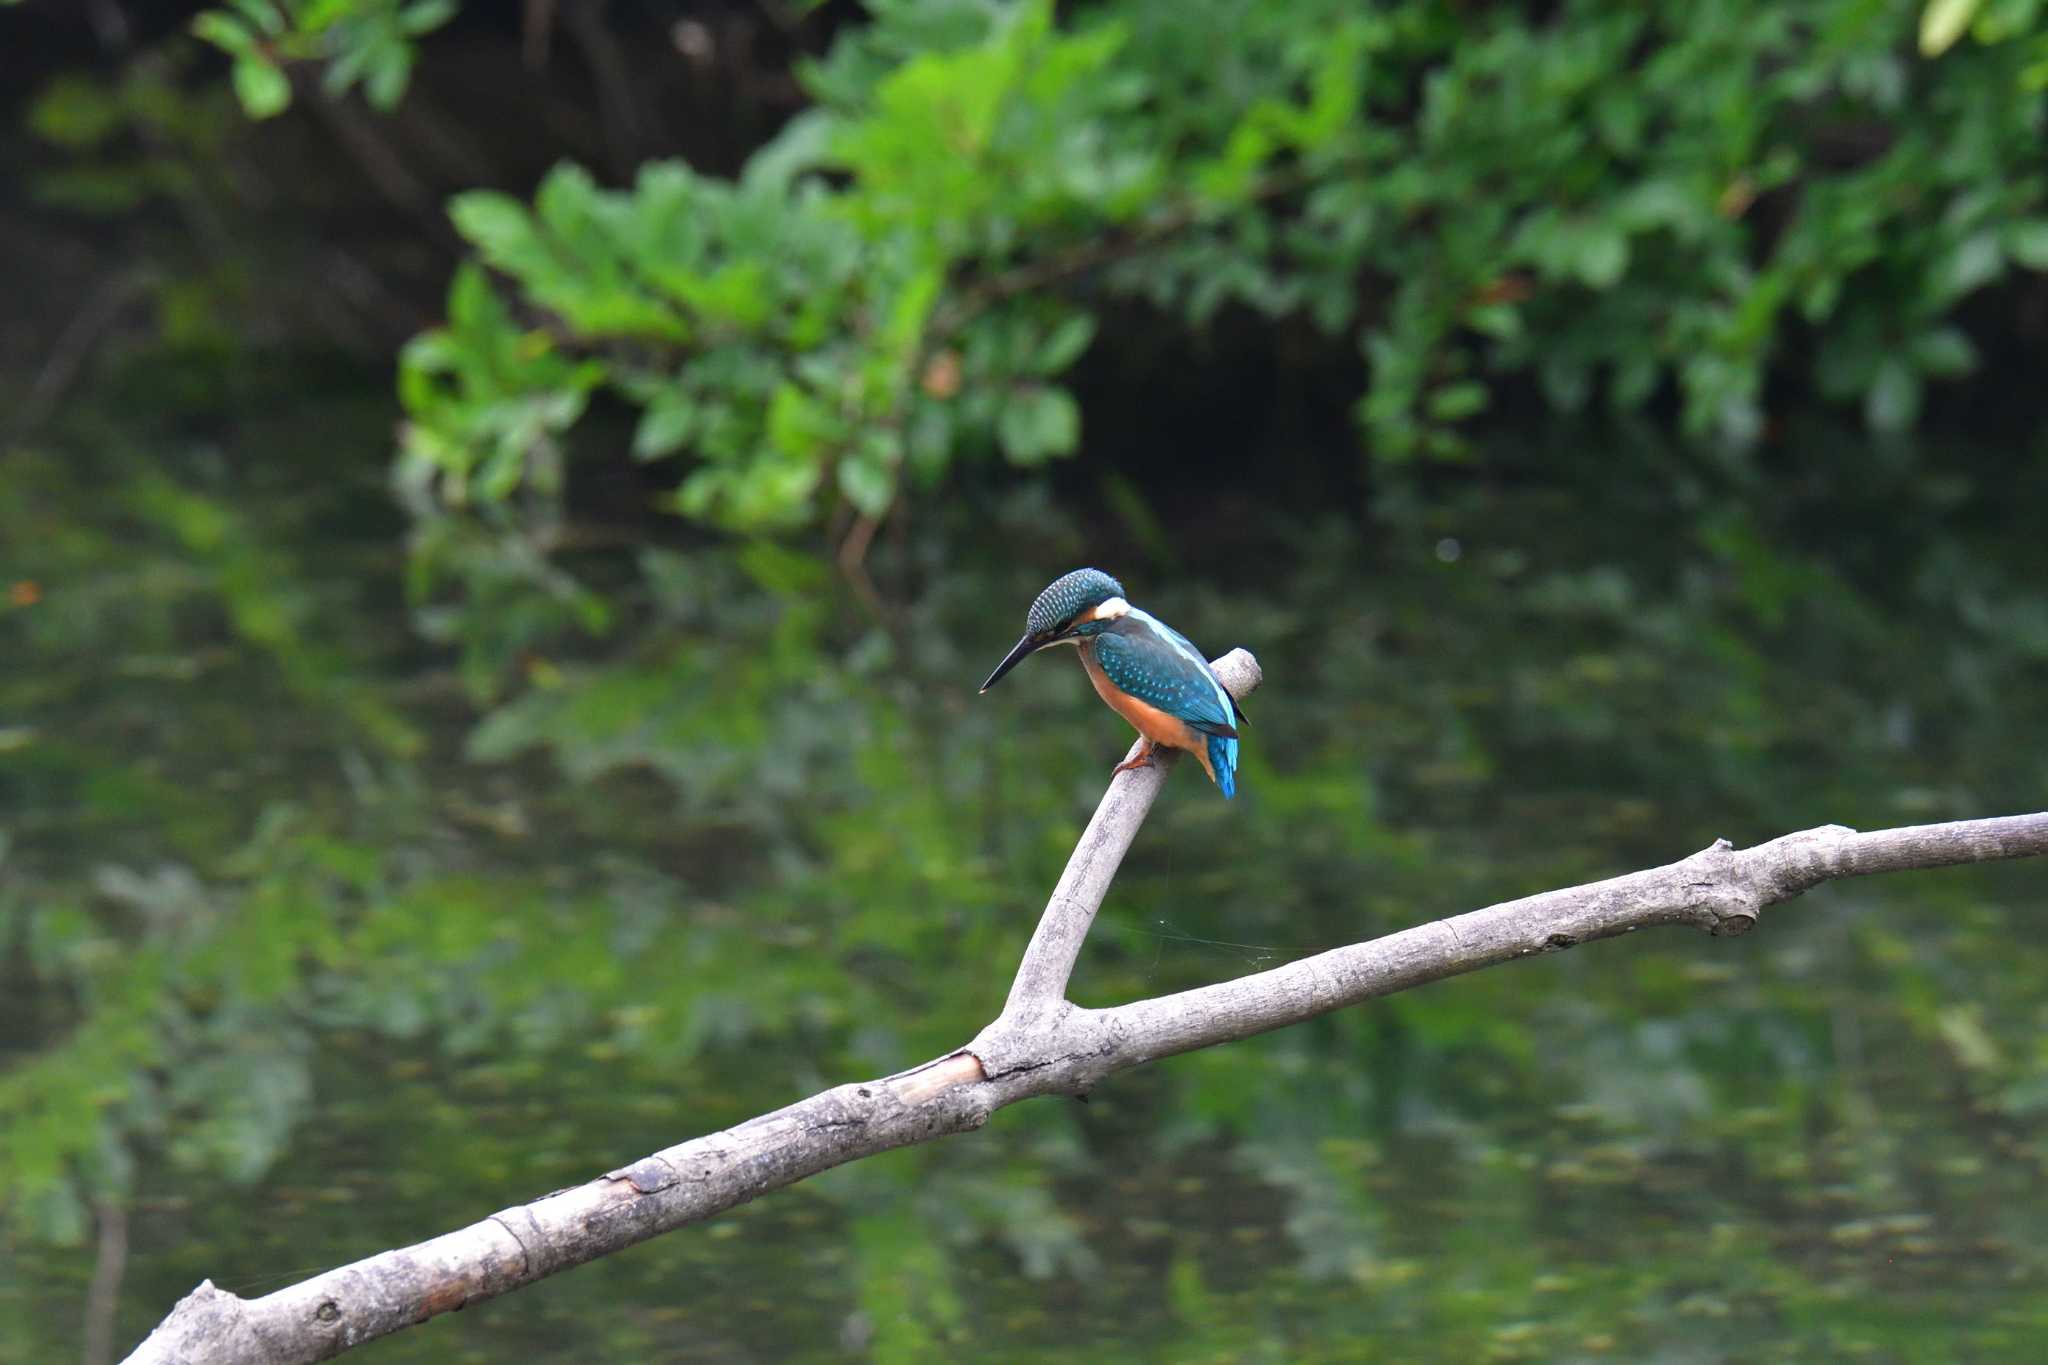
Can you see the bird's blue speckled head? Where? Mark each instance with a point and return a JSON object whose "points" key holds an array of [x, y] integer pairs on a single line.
{"points": [[1053, 618], [1067, 597]]}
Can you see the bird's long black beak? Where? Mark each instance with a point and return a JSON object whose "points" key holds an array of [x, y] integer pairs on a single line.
{"points": [[1025, 646]]}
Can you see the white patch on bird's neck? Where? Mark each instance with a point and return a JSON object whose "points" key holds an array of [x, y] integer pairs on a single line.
{"points": [[1110, 610]]}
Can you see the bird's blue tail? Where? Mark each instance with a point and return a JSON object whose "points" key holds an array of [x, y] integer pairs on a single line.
{"points": [[1223, 758]]}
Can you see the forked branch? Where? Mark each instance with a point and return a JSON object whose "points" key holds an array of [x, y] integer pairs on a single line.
{"points": [[1040, 1045]]}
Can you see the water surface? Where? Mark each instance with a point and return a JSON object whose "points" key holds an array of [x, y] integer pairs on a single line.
{"points": [[335, 918]]}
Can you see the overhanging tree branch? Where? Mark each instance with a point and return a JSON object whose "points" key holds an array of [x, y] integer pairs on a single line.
{"points": [[1041, 1044]]}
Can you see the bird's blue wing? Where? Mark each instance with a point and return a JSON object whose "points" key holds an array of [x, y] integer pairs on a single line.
{"points": [[1161, 667]]}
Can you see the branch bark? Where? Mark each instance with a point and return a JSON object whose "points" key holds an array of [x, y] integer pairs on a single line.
{"points": [[1041, 1044]]}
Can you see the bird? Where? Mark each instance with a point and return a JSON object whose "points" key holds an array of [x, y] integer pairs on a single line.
{"points": [[1148, 672]]}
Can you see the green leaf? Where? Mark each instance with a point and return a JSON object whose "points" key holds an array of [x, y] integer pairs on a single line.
{"points": [[666, 425], [1944, 351], [1944, 21], [1501, 321], [801, 425], [225, 32], [502, 229], [473, 306], [263, 89], [424, 16], [2027, 243], [1602, 255], [77, 113], [1969, 264], [317, 16], [868, 483], [263, 15], [1039, 422], [389, 70], [1455, 402], [1065, 344]]}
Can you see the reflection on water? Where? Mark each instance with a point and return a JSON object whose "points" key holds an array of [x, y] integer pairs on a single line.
{"points": [[320, 940]]}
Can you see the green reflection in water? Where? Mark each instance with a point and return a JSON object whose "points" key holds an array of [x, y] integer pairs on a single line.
{"points": [[307, 956]]}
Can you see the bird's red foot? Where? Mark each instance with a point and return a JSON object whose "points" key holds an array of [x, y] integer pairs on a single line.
{"points": [[1143, 760]]}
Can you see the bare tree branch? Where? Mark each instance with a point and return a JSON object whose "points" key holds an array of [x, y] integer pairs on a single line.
{"points": [[1041, 982], [1720, 889], [1040, 1045]]}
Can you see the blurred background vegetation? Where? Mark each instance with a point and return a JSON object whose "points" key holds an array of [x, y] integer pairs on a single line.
{"points": [[503, 510]]}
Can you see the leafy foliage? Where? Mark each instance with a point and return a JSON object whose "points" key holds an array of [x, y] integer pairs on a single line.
{"points": [[361, 42], [1617, 205], [784, 333]]}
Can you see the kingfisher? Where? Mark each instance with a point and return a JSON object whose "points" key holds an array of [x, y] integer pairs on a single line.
{"points": [[1148, 672]]}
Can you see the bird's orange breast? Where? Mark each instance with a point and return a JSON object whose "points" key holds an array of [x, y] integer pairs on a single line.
{"points": [[1147, 719]]}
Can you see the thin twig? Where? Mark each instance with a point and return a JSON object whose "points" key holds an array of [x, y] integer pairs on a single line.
{"points": [[1089, 256], [536, 27], [74, 344], [853, 556], [613, 76], [375, 157]]}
